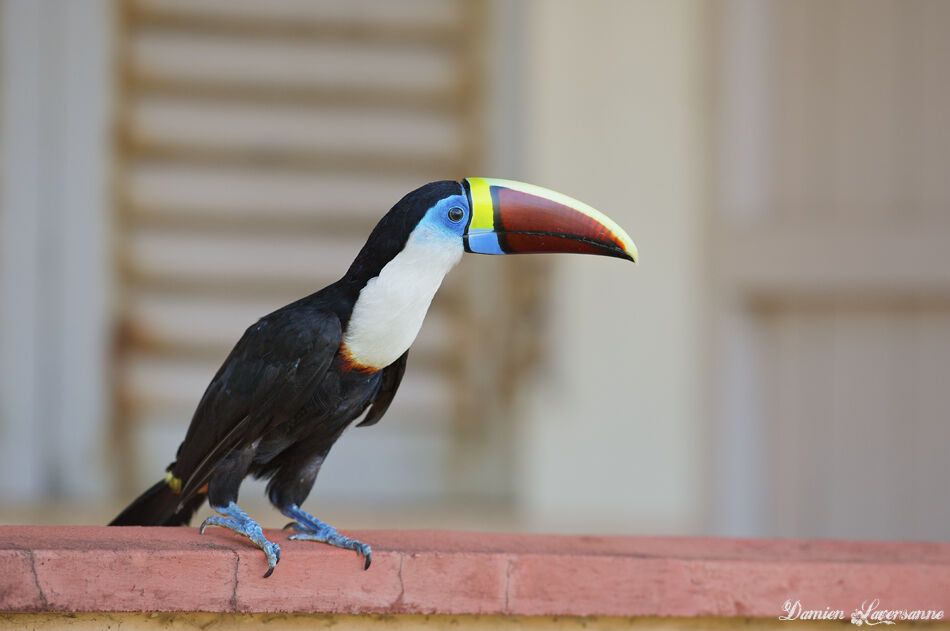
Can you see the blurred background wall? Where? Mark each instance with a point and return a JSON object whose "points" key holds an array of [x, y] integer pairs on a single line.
{"points": [[776, 365]]}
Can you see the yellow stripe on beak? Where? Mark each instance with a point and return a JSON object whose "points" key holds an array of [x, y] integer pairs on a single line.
{"points": [[483, 211]]}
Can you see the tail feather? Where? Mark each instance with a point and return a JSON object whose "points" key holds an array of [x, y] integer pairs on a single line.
{"points": [[158, 506]]}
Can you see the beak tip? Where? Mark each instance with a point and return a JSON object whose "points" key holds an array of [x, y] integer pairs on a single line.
{"points": [[633, 255]]}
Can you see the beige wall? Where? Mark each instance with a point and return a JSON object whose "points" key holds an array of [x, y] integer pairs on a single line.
{"points": [[832, 328], [614, 116]]}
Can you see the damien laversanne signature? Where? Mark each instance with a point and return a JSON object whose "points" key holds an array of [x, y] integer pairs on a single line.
{"points": [[869, 613]]}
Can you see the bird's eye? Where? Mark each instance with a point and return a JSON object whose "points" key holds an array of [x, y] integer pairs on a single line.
{"points": [[456, 214]]}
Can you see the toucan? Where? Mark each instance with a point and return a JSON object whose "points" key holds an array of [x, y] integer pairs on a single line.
{"points": [[300, 375]]}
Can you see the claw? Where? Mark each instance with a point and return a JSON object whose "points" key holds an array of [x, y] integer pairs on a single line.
{"points": [[364, 551], [211, 521], [309, 528], [273, 557], [242, 524], [272, 552]]}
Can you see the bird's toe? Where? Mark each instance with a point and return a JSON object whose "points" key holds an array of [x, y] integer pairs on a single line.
{"points": [[272, 552], [367, 553], [215, 520]]}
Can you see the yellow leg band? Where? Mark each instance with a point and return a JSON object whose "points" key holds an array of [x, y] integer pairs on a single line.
{"points": [[173, 482]]}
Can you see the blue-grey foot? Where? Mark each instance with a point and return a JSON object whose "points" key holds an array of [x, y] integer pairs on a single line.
{"points": [[240, 522], [309, 528]]}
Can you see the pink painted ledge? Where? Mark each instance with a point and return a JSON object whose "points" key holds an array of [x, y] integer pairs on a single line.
{"points": [[98, 569]]}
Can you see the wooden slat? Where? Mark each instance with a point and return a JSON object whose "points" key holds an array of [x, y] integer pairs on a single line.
{"points": [[282, 159], [368, 97], [262, 257], [242, 193], [354, 31], [243, 127], [288, 65], [433, 13], [213, 221]]}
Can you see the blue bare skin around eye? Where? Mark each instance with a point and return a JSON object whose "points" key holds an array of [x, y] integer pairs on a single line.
{"points": [[438, 215]]}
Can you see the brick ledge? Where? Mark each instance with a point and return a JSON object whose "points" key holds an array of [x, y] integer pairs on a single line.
{"points": [[98, 569]]}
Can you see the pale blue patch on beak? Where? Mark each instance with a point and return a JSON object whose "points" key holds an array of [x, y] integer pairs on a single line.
{"points": [[482, 241]]}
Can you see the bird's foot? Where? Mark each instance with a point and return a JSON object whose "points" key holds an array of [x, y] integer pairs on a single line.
{"points": [[309, 528], [241, 523]]}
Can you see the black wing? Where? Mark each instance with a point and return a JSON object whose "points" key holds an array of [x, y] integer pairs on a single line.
{"points": [[391, 378], [267, 378]]}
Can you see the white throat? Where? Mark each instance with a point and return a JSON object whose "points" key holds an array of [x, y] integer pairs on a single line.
{"points": [[390, 309]]}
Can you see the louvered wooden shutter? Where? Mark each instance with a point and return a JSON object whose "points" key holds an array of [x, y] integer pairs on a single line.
{"points": [[259, 142]]}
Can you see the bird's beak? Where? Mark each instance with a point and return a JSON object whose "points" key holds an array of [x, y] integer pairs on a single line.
{"points": [[510, 217]]}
